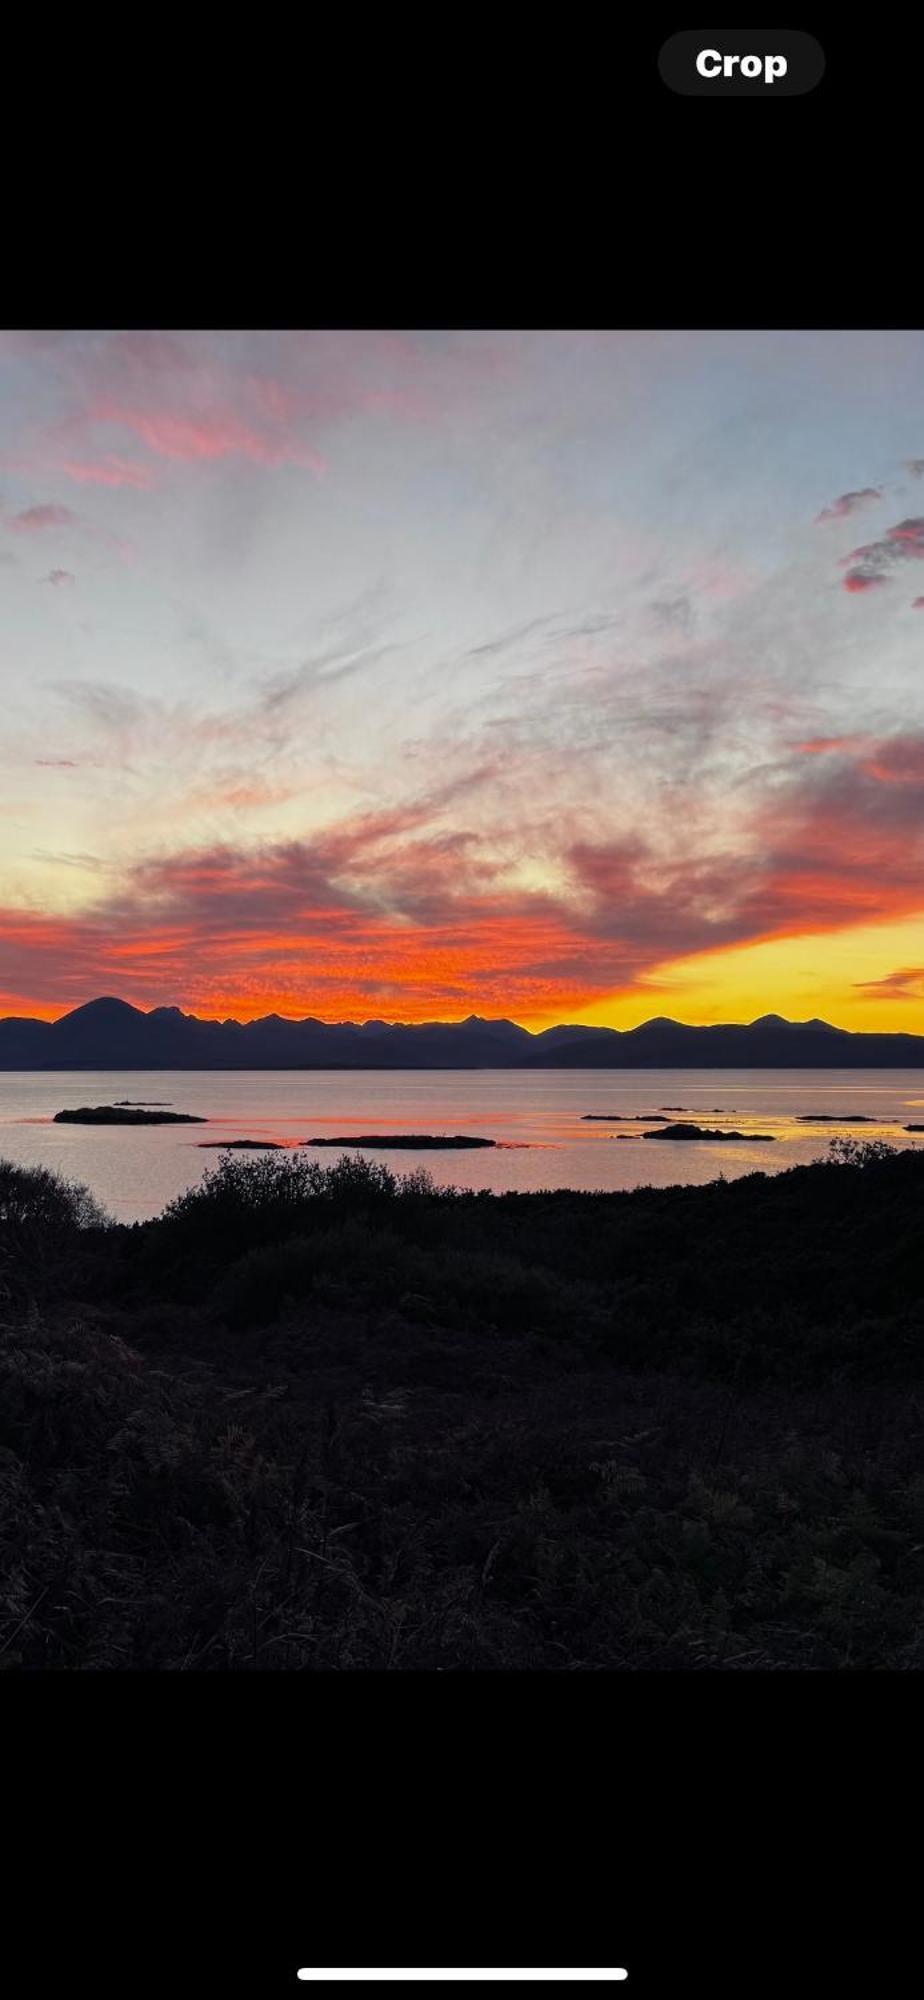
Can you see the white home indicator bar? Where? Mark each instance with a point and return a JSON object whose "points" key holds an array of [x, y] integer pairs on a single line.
{"points": [[465, 1972]]}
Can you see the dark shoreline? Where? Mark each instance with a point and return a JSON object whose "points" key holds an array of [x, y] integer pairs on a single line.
{"points": [[739, 1064]]}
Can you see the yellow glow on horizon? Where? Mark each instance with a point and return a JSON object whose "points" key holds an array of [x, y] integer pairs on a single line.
{"points": [[825, 975]]}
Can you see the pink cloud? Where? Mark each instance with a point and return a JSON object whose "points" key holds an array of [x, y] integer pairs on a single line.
{"points": [[849, 503], [206, 398], [910, 536], [896, 761], [212, 432], [33, 520], [875, 560]]}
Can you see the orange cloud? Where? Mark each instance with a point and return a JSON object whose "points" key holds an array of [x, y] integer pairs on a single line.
{"points": [[336, 961], [388, 913], [905, 984]]}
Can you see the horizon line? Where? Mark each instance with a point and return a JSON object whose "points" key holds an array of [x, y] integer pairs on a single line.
{"points": [[299, 1020]]}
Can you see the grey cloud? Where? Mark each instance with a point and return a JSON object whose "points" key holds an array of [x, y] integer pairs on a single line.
{"points": [[103, 702], [849, 503], [504, 640], [675, 611], [279, 690], [85, 861]]}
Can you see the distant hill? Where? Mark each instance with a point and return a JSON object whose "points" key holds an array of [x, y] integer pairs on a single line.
{"points": [[109, 1034]]}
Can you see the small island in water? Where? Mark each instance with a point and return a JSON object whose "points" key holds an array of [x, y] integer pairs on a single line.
{"points": [[415, 1142], [623, 1118], [835, 1118], [119, 1114], [707, 1132]]}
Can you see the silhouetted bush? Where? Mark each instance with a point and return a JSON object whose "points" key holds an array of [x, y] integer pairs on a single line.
{"points": [[43, 1222], [241, 1203], [860, 1152], [34, 1198]]}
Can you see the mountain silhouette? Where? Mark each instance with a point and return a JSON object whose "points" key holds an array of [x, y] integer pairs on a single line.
{"points": [[108, 1033]]}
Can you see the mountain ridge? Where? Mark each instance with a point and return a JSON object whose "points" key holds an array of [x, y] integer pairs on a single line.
{"points": [[109, 1033]]}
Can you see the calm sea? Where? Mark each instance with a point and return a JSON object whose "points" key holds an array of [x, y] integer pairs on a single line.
{"points": [[538, 1120]]}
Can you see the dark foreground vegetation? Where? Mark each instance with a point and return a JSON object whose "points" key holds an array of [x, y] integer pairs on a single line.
{"points": [[240, 1146], [329, 1418]]}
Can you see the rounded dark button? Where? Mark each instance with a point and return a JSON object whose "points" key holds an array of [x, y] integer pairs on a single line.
{"points": [[741, 62]]}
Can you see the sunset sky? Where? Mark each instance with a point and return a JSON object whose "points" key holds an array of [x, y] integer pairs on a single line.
{"points": [[567, 676]]}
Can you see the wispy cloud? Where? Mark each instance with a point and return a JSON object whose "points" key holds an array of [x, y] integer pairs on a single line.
{"points": [[503, 641], [90, 862], [109, 470], [138, 403], [905, 984], [280, 690], [104, 703]]}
